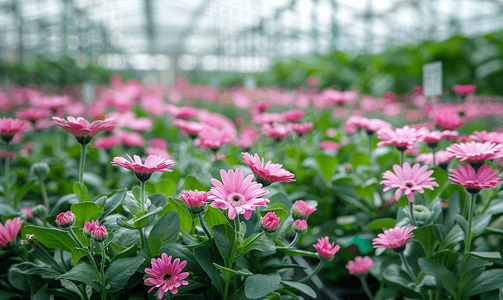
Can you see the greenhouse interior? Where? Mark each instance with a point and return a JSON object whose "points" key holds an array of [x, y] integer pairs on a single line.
{"points": [[251, 149]]}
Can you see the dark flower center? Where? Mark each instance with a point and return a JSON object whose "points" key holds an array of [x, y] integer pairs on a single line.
{"points": [[167, 277], [235, 198], [409, 185]]}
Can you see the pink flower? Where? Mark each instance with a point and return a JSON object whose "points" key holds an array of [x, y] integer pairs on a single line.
{"points": [[400, 137], [214, 138], [166, 275], [158, 143], [89, 227], [441, 157], [195, 200], [325, 249], [464, 89], [152, 164], [473, 181], [81, 128], [99, 234], [302, 128], [131, 139], [394, 238], [237, 194], [447, 117], [270, 222], [277, 131], [185, 112], [418, 90], [484, 136], [475, 153], [360, 265], [162, 152], [107, 142], [3, 155], [300, 226], [65, 219], [27, 212], [293, 115], [302, 210], [433, 137], [312, 81], [268, 172], [408, 180], [190, 127], [32, 114], [249, 136], [9, 231], [331, 132], [9, 127], [329, 145]]}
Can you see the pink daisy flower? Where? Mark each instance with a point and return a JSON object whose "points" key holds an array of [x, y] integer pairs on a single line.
{"points": [[81, 128], [166, 276], [214, 138], [473, 181], [10, 127], [9, 231], [107, 142], [143, 171], [302, 128], [484, 136], [293, 115], [408, 180], [99, 234], [270, 222], [302, 210], [448, 118], [89, 227], [464, 89], [401, 137], [475, 153], [441, 157], [195, 200], [329, 145], [361, 265], [32, 114], [276, 131], [192, 128], [325, 249], [237, 194], [394, 238], [269, 172]]}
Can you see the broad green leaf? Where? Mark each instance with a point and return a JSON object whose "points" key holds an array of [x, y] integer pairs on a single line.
{"points": [[244, 272], [179, 251], [327, 165], [442, 275], [119, 272], [42, 293], [85, 212], [164, 231], [77, 254], [487, 281], [224, 240], [191, 184], [213, 216], [22, 191], [143, 219], [395, 274], [379, 224], [80, 190], [440, 178], [359, 158], [185, 216], [82, 273], [257, 286], [488, 255], [113, 202], [205, 257], [301, 287], [279, 209], [51, 237], [130, 251], [9, 295]]}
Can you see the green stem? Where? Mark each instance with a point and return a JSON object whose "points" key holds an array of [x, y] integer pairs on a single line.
{"points": [[142, 238], [44, 196], [433, 150], [469, 231], [142, 194], [86, 251], [203, 225], [365, 286], [75, 238], [92, 247], [102, 262], [255, 238], [401, 158], [407, 267], [82, 161], [7, 175], [41, 250], [228, 275], [411, 206], [318, 268], [295, 240]]}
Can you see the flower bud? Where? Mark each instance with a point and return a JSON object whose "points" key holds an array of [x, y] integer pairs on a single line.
{"points": [[30, 241], [99, 234], [300, 226], [89, 227], [270, 222], [301, 210], [40, 170], [195, 200], [326, 251], [65, 219], [39, 211], [421, 212]]}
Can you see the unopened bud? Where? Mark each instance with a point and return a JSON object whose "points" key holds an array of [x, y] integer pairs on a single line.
{"points": [[99, 234], [39, 211], [40, 170], [65, 219]]}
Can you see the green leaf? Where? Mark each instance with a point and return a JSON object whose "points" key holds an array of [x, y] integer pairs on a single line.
{"points": [[143, 219], [488, 255], [295, 251], [185, 216], [301, 287], [119, 272], [264, 246], [113, 202], [8, 295], [191, 184], [80, 190], [224, 241], [77, 254], [487, 281], [395, 274], [442, 275], [327, 165], [379, 224], [124, 224], [257, 286], [42, 293], [244, 272], [130, 251], [51, 237], [82, 273], [22, 191], [279, 209], [205, 257], [427, 238], [213, 216], [164, 231], [359, 158], [440, 178], [179, 251], [85, 212]]}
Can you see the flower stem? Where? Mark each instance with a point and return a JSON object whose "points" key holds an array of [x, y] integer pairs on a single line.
{"points": [[365, 286], [142, 195], [318, 268], [142, 238], [86, 251], [82, 161], [295, 240], [228, 275], [407, 267], [255, 238], [102, 262], [433, 151], [75, 238], [44, 196], [469, 231], [411, 206], [92, 247], [203, 225], [7, 175], [401, 158]]}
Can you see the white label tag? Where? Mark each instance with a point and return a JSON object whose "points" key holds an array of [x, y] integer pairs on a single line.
{"points": [[432, 79]]}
